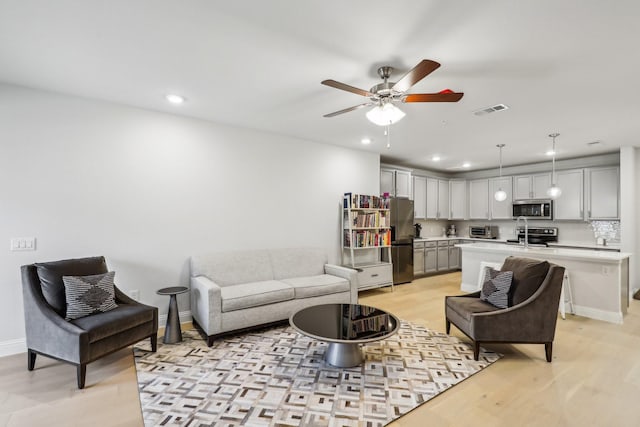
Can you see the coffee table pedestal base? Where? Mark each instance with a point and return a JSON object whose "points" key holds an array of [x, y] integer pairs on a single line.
{"points": [[343, 355]]}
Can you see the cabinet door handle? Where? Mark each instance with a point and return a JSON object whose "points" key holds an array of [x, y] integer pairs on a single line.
{"points": [[374, 275]]}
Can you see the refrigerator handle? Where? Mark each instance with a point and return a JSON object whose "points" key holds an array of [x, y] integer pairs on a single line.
{"points": [[393, 233]]}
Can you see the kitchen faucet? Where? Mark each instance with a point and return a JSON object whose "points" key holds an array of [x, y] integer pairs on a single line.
{"points": [[526, 231]]}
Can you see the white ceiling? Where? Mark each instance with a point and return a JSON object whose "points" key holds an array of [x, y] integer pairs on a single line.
{"points": [[567, 66]]}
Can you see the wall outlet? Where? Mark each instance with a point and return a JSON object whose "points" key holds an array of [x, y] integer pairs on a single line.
{"points": [[135, 294], [23, 244]]}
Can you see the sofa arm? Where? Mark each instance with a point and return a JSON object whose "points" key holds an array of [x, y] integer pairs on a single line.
{"points": [[346, 273], [206, 304]]}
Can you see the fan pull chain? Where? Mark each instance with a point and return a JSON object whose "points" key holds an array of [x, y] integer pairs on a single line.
{"points": [[387, 132]]}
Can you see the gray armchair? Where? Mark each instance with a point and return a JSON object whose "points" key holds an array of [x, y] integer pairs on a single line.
{"points": [[532, 313], [82, 340]]}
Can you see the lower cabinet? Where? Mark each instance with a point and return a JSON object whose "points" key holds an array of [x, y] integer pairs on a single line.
{"points": [[375, 276], [435, 256]]}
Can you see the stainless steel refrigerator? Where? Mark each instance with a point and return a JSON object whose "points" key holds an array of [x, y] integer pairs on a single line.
{"points": [[402, 233]]}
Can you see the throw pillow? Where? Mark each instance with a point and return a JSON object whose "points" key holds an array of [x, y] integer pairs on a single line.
{"points": [[88, 295], [495, 289]]}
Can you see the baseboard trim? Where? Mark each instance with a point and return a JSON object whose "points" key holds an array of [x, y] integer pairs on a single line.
{"points": [[594, 313], [10, 347], [185, 317]]}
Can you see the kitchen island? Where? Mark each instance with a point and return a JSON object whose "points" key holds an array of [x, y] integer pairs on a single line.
{"points": [[599, 280]]}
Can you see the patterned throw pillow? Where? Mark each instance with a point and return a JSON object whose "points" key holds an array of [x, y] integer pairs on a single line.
{"points": [[496, 286], [88, 295]]}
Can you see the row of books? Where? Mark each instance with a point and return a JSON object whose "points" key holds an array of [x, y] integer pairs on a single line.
{"points": [[366, 238], [361, 201], [370, 219], [372, 324]]}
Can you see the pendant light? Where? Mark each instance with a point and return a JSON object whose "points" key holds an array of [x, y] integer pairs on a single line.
{"points": [[500, 195], [554, 191]]}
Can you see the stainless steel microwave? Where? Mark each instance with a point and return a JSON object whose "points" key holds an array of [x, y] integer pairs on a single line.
{"points": [[533, 208]]}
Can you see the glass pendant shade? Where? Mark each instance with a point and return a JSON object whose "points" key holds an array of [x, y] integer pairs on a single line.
{"points": [[500, 195], [554, 191], [385, 114]]}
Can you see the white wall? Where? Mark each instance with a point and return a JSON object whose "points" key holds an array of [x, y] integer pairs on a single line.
{"points": [[629, 208], [149, 189]]}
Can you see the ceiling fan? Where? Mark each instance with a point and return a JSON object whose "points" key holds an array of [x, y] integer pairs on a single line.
{"points": [[385, 94]]}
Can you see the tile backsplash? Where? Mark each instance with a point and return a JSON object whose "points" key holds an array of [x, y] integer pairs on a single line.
{"points": [[608, 230]]}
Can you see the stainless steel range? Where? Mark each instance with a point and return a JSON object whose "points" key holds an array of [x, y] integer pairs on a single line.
{"points": [[537, 235]]}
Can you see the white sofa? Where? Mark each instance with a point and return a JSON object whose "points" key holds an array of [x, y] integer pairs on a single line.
{"points": [[231, 291]]}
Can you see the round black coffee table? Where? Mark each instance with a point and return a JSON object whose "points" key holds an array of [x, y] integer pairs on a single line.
{"points": [[344, 327]]}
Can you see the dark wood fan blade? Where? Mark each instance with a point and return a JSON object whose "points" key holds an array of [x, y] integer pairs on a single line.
{"points": [[434, 97], [419, 72], [346, 110], [346, 87]]}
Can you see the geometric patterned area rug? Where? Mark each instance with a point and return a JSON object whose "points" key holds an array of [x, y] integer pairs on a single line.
{"points": [[277, 377]]}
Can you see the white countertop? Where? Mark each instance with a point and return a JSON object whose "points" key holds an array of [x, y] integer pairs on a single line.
{"points": [[562, 244], [551, 252]]}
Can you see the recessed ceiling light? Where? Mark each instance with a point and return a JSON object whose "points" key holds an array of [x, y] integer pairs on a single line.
{"points": [[436, 158], [466, 165], [366, 141], [175, 99], [550, 153]]}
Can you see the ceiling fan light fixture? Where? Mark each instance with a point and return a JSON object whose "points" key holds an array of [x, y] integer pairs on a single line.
{"points": [[385, 114]]}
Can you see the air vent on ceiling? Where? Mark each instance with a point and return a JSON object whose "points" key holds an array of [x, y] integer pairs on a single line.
{"points": [[492, 109]]}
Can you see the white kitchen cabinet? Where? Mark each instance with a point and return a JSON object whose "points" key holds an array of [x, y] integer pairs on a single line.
{"points": [[603, 193], [443, 255], [420, 197], [418, 258], [458, 199], [531, 186], [437, 198], [443, 199], [432, 198], [454, 255], [395, 182], [430, 257], [479, 199], [570, 204], [500, 210]]}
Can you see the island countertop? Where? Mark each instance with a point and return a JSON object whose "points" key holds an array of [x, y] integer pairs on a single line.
{"points": [[552, 252]]}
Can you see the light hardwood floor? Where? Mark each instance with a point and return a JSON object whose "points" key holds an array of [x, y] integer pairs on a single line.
{"points": [[594, 379]]}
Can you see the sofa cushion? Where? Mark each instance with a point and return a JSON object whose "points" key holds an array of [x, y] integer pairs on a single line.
{"points": [[121, 318], [50, 274], [466, 306], [88, 295], [298, 262], [246, 295], [232, 268], [313, 286], [528, 275]]}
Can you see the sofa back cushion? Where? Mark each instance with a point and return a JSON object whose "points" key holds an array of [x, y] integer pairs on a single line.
{"points": [[232, 268], [297, 262], [528, 275], [50, 274]]}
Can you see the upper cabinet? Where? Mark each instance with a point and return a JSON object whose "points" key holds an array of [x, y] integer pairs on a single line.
{"points": [[570, 204], [420, 197], [479, 199], [500, 210], [531, 186], [458, 199], [395, 182], [437, 198], [602, 193]]}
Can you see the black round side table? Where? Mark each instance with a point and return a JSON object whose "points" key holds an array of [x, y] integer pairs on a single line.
{"points": [[172, 331]]}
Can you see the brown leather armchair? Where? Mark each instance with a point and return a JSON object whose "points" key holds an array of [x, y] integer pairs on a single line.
{"points": [[82, 340], [531, 317]]}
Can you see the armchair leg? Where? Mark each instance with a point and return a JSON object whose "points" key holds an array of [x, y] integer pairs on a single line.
{"points": [[82, 374], [448, 326], [548, 349], [31, 359], [154, 342], [476, 350]]}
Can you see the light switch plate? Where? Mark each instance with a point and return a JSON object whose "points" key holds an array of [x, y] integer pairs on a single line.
{"points": [[23, 244]]}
